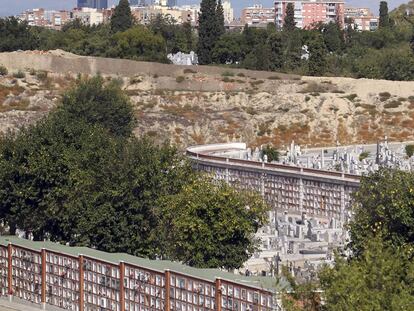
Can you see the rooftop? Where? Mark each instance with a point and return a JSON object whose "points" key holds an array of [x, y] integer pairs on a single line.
{"points": [[266, 283]]}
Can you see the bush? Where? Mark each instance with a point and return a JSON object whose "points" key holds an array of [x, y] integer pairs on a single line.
{"points": [[241, 74], [351, 97], [180, 79], [227, 74], [409, 150], [364, 155], [384, 96], [256, 83], [393, 104], [274, 78], [227, 80], [272, 153], [3, 71], [189, 70], [19, 75], [41, 75]]}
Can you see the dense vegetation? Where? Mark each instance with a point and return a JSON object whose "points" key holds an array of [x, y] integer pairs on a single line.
{"points": [[80, 177], [384, 53]]}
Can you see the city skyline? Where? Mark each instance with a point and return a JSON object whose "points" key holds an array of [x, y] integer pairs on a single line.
{"points": [[18, 6]]}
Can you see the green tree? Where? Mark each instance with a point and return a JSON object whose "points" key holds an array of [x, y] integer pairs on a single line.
{"points": [[292, 50], [409, 150], [179, 38], [384, 18], [16, 35], [207, 31], [95, 103], [397, 65], [139, 43], [384, 207], [271, 153], [228, 49], [333, 37], [380, 280], [220, 19], [122, 18], [211, 225], [317, 57], [275, 43], [289, 23]]}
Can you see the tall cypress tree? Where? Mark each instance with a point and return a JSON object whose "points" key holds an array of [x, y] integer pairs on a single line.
{"points": [[289, 21], [317, 58], [384, 18], [207, 32], [220, 19], [122, 18]]}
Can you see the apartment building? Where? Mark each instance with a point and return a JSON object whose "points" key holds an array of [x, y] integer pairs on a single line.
{"points": [[257, 14], [361, 19], [46, 18], [144, 14], [89, 16], [310, 12]]}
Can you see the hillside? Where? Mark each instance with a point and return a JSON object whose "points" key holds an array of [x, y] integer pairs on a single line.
{"points": [[200, 105]]}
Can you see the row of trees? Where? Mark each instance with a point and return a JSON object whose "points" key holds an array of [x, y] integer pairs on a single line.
{"points": [[333, 49], [80, 177]]}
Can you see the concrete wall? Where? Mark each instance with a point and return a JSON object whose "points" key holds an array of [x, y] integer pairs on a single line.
{"points": [[67, 63]]}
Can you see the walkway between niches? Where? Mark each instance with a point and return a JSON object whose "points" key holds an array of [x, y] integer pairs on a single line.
{"points": [[5, 305]]}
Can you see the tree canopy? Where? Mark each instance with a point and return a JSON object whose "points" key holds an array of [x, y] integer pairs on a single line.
{"points": [[211, 224], [384, 207], [289, 23], [122, 18], [380, 280], [209, 30]]}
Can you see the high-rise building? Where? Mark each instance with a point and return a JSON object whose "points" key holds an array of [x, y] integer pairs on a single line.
{"points": [[137, 2], [257, 15], [95, 4], [361, 19], [311, 12], [228, 11]]}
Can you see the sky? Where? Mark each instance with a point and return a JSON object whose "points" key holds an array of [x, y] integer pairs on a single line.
{"points": [[13, 7]]}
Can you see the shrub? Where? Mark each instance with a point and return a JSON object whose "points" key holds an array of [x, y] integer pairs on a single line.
{"points": [[3, 71], [32, 72], [307, 98], [274, 78], [241, 74], [180, 79], [384, 96], [189, 70], [227, 74], [409, 150], [227, 80], [41, 75], [255, 83], [272, 153], [350, 97], [364, 155], [393, 104], [19, 75]]}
